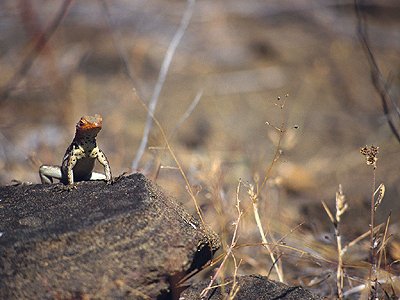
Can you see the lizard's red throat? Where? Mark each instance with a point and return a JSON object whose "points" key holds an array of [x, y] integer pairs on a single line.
{"points": [[89, 125]]}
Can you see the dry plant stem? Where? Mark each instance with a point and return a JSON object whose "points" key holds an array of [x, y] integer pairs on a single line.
{"points": [[294, 229], [178, 164], [341, 207], [278, 151], [187, 113], [254, 196], [361, 237], [277, 155], [378, 80], [372, 275], [340, 263], [254, 200], [339, 272], [161, 80], [235, 288], [384, 242], [370, 154], [303, 254], [229, 251], [118, 42], [273, 264], [210, 263], [361, 287], [34, 52], [265, 243]]}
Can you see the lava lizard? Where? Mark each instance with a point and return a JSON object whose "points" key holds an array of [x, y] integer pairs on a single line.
{"points": [[79, 159]]}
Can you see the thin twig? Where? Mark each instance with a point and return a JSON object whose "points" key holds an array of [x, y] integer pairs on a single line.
{"points": [[341, 207], [273, 264], [187, 113], [40, 43], [384, 241], [377, 78], [210, 263], [235, 287], [301, 252], [229, 252], [118, 42], [131, 75], [361, 237], [278, 151], [361, 287], [178, 164], [161, 80], [254, 199], [277, 264], [291, 231], [373, 270], [371, 156]]}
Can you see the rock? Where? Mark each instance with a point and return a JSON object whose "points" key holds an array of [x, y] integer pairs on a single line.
{"points": [[127, 240], [251, 287]]}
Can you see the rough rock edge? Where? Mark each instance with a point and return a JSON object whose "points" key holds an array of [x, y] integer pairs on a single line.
{"points": [[34, 216], [251, 287]]}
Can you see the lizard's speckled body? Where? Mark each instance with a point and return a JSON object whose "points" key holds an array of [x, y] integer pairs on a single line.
{"points": [[79, 159]]}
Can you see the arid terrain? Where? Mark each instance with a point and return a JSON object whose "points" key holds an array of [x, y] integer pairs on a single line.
{"points": [[282, 101]]}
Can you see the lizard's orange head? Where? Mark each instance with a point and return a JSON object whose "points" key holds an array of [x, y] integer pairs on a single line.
{"points": [[89, 124]]}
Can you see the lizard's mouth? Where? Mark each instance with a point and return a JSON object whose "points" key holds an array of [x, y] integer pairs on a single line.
{"points": [[89, 127]]}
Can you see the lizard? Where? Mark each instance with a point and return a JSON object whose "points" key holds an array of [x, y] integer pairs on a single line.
{"points": [[80, 156]]}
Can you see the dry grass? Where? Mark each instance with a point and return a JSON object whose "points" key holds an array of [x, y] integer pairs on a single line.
{"points": [[289, 153]]}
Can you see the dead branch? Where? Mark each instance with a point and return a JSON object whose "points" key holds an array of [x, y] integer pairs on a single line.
{"points": [[38, 46], [378, 81], [161, 79]]}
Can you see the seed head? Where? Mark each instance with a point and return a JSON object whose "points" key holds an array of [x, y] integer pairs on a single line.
{"points": [[370, 154]]}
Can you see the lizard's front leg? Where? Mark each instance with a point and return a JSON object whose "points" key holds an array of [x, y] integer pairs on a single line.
{"points": [[47, 173], [71, 162], [101, 157]]}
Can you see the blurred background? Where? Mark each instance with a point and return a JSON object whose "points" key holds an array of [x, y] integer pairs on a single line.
{"points": [[294, 65]]}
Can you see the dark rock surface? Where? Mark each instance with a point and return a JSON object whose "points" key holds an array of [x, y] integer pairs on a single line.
{"points": [[251, 287], [122, 241]]}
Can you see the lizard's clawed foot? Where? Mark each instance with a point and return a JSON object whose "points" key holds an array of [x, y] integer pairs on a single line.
{"points": [[70, 187], [66, 188]]}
